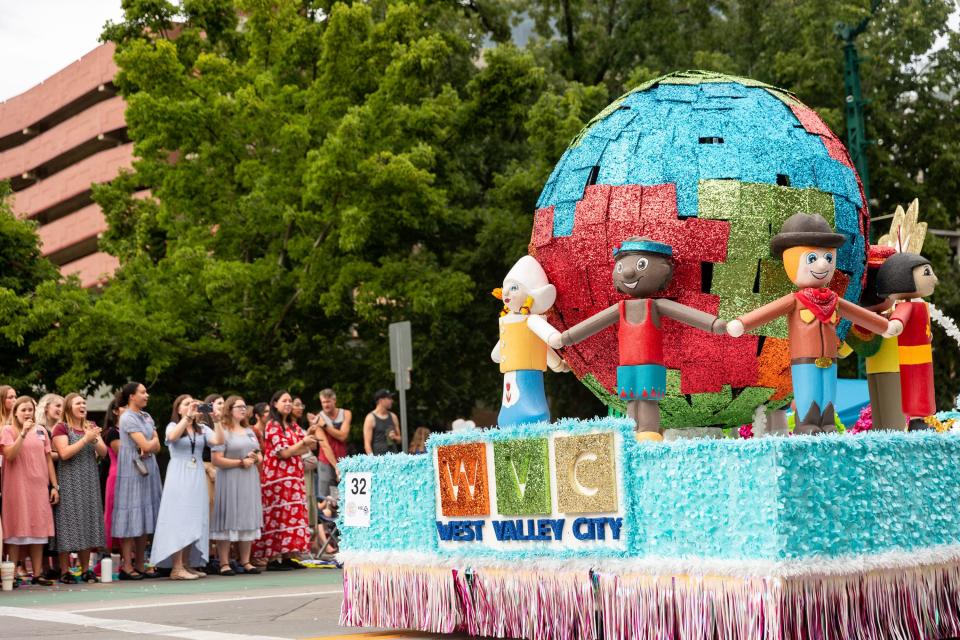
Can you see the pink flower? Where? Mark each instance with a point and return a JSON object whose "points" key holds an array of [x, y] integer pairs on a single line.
{"points": [[746, 431], [864, 422]]}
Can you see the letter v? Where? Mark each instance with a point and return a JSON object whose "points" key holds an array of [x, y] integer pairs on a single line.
{"points": [[520, 475]]}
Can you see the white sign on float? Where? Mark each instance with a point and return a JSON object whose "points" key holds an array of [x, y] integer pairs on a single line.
{"points": [[550, 491], [357, 505]]}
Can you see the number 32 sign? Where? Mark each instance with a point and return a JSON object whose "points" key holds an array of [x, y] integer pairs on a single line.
{"points": [[357, 508]]}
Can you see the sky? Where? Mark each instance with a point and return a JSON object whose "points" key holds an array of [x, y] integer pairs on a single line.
{"points": [[40, 37]]}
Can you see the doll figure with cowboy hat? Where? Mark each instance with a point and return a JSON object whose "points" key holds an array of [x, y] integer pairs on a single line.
{"points": [[522, 350], [808, 247]]}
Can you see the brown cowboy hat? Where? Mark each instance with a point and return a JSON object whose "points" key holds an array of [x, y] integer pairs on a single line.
{"points": [[805, 230]]}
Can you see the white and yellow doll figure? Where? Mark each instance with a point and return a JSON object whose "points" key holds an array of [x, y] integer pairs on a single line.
{"points": [[522, 350]]}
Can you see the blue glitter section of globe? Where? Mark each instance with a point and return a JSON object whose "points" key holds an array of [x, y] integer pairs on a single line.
{"points": [[652, 137]]}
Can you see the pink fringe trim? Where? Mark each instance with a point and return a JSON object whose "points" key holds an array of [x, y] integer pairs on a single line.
{"points": [[921, 603]]}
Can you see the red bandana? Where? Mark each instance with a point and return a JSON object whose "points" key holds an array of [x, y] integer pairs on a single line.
{"points": [[821, 301]]}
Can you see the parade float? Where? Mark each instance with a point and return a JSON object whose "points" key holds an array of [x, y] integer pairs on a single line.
{"points": [[599, 528]]}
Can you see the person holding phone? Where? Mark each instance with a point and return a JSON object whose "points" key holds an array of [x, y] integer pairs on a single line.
{"points": [[182, 540], [79, 515], [137, 497], [29, 486], [237, 507]]}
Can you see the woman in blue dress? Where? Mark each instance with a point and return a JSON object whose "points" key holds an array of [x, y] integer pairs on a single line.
{"points": [[137, 495], [182, 537]]}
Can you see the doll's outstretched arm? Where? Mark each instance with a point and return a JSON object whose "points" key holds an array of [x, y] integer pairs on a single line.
{"points": [[495, 354], [544, 330], [594, 324], [864, 317], [761, 315], [691, 316], [898, 319]]}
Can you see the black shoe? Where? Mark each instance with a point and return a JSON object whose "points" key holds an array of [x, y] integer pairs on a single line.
{"points": [[250, 570], [67, 578], [133, 575], [90, 577], [43, 582], [278, 565], [293, 564], [154, 573]]}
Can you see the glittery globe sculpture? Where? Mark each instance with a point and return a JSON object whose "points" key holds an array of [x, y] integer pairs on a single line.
{"points": [[712, 165]]}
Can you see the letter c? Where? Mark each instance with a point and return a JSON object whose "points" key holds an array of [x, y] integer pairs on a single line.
{"points": [[585, 456]]}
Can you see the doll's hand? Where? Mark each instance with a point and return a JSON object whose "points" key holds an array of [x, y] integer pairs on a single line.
{"points": [[894, 328], [735, 328], [555, 341], [561, 367]]}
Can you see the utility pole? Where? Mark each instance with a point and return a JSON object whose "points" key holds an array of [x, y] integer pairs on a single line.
{"points": [[856, 131]]}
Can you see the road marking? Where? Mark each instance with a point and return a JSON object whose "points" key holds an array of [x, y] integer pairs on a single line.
{"points": [[210, 601], [124, 626]]}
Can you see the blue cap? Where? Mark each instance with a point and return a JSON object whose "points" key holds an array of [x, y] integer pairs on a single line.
{"points": [[650, 246]]}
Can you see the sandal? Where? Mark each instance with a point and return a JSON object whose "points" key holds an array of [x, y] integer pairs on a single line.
{"points": [[67, 578], [225, 570], [151, 574], [250, 569], [90, 577], [133, 575], [182, 574], [43, 582]]}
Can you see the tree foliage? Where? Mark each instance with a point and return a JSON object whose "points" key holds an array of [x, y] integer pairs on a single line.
{"points": [[318, 170]]}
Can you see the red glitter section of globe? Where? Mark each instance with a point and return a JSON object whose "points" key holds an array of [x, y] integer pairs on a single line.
{"points": [[580, 267]]}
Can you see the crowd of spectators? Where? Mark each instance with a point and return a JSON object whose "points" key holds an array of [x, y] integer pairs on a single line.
{"points": [[247, 488]]}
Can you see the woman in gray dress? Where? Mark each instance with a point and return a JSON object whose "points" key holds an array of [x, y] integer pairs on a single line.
{"points": [[79, 515], [137, 499], [237, 506]]}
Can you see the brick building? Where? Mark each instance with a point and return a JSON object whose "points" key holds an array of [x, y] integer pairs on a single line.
{"points": [[55, 141]]}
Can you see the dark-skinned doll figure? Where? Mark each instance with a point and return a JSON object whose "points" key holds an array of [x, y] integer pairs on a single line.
{"points": [[643, 268], [908, 278], [808, 246], [522, 350], [881, 359]]}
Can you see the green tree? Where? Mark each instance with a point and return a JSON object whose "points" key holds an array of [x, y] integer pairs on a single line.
{"points": [[35, 305], [315, 175]]}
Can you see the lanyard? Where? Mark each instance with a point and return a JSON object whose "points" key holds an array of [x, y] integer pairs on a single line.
{"points": [[193, 443]]}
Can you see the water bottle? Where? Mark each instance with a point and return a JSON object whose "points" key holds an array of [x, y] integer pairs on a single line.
{"points": [[106, 569]]}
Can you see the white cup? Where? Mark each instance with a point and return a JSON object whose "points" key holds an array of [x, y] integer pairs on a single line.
{"points": [[6, 575]]}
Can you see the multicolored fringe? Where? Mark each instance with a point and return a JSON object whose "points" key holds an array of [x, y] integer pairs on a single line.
{"points": [[393, 597], [508, 603], [921, 603]]}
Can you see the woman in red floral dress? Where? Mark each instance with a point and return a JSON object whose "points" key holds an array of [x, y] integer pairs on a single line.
{"points": [[286, 529]]}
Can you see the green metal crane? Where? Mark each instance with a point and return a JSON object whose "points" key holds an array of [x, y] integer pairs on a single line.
{"points": [[856, 133]]}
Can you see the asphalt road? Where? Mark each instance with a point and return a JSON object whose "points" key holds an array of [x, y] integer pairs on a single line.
{"points": [[289, 605]]}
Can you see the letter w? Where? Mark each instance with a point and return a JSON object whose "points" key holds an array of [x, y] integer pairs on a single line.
{"points": [[462, 474]]}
